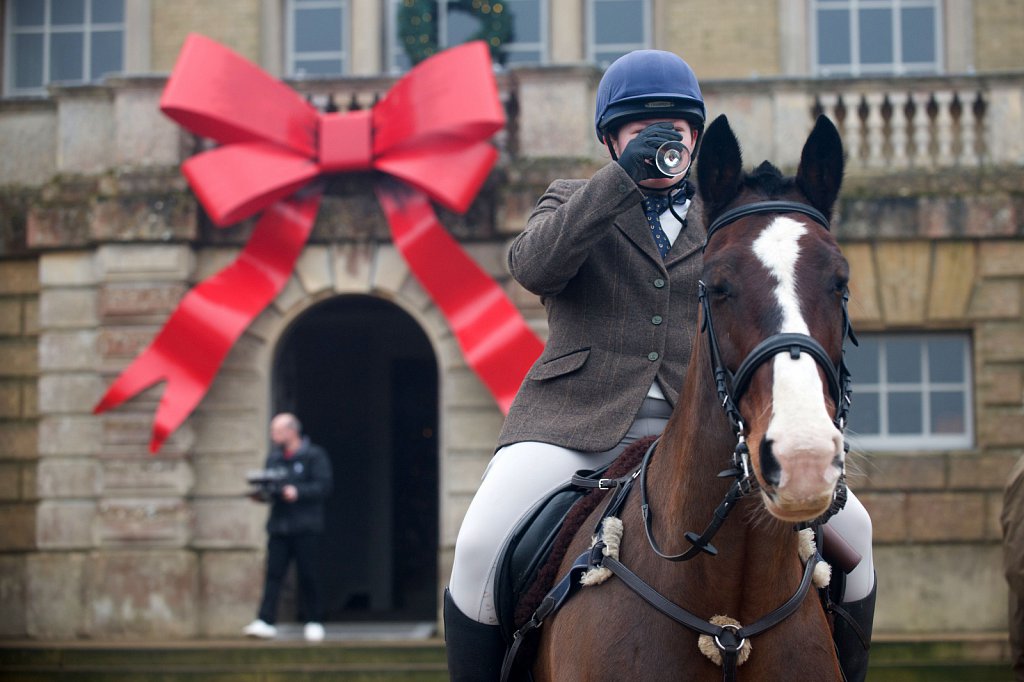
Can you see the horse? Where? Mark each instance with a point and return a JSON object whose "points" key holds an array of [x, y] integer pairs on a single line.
{"points": [[773, 293]]}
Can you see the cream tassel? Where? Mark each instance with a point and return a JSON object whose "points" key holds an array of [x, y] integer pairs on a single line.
{"points": [[612, 535]]}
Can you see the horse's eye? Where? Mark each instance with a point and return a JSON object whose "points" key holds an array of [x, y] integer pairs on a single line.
{"points": [[720, 290]]}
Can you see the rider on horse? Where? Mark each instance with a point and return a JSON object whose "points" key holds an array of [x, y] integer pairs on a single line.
{"points": [[616, 260]]}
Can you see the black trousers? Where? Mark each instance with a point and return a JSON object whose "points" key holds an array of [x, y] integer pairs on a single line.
{"points": [[281, 550]]}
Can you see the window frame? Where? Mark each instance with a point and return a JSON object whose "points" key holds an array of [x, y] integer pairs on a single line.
{"points": [[290, 8], [86, 29], [856, 68], [883, 441], [591, 31]]}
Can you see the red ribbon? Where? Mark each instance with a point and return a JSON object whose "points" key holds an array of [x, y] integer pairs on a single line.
{"points": [[430, 132]]}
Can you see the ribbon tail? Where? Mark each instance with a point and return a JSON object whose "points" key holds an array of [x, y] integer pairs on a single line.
{"points": [[495, 339], [190, 348]]}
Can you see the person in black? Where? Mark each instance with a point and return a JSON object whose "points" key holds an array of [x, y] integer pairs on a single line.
{"points": [[295, 525]]}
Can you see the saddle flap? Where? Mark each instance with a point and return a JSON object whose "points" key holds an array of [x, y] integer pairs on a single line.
{"points": [[527, 550]]}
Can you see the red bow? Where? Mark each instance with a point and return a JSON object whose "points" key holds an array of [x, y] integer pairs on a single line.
{"points": [[430, 131]]}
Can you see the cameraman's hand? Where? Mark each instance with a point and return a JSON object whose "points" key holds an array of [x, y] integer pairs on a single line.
{"points": [[637, 159], [289, 493]]}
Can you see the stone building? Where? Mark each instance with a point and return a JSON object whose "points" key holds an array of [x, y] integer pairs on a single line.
{"points": [[100, 238]]}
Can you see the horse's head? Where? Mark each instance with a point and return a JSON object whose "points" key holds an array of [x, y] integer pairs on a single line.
{"points": [[774, 287]]}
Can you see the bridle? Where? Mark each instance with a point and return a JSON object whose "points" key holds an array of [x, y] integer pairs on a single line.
{"points": [[732, 386]]}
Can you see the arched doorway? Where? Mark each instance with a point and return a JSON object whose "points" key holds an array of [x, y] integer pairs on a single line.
{"points": [[361, 375]]}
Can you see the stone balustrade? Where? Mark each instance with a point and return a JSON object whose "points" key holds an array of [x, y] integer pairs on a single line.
{"points": [[892, 125]]}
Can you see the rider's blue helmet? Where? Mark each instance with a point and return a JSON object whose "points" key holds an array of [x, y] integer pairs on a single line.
{"points": [[648, 84]]}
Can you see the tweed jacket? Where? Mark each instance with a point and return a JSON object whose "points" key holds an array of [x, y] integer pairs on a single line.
{"points": [[618, 314]]}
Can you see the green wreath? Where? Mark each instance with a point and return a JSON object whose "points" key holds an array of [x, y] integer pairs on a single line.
{"points": [[417, 26]]}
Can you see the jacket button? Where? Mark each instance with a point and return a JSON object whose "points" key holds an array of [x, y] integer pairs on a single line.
{"points": [[623, 188], [652, 356], [659, 283], [656, 319]]}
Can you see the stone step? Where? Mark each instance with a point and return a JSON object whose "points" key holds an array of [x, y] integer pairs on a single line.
{"points": [[946, 657], [224, 661], [943, 658]]}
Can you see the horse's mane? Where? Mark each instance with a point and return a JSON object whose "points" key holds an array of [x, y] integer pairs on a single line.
{"points": [[768, 180]]}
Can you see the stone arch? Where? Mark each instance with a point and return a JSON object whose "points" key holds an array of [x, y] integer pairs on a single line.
{"points": [[382, 357], [363, 377]]}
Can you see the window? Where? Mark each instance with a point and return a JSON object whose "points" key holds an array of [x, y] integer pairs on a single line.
{"points": [[911, 392], [616, 27], [61, 41], [884, 37], [516, 29], [316, 42]]}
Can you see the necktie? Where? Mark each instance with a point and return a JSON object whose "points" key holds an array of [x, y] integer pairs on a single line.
{"points": [[654, 206]]}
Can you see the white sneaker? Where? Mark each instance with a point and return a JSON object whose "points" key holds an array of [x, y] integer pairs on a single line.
{"points": [[259, 629], [313, 632]]}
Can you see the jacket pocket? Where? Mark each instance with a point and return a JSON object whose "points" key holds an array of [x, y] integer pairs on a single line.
{"points": [[560, 366]]}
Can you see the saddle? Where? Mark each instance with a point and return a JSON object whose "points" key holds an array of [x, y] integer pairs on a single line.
{"points": [[528, 567]]}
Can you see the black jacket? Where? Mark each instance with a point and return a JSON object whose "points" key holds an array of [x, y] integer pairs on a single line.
{"points": [[309, 470]]}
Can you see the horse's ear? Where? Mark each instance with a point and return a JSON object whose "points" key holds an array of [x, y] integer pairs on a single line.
{"points": [[821, 166], [719, 165]]}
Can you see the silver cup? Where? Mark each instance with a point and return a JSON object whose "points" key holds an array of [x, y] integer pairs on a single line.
{"points": [[672, 158]]}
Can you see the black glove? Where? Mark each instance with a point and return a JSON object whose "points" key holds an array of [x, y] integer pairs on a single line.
{"points": [[637, 159]]}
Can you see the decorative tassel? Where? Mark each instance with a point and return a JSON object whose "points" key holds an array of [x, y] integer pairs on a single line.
{"points": [[822, 574], [611, 533], [707, 645]]}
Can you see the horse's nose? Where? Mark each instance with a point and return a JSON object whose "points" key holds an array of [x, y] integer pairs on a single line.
{"points": [[770, 468]]}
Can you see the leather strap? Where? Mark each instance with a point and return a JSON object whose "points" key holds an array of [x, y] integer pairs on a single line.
{"points": [[734, 214], [794, 344]]}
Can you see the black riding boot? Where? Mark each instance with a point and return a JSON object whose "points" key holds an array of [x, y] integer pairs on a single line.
{"points": [[475, 650], [853, 635]]}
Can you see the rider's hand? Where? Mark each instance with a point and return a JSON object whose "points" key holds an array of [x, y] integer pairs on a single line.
{"points": [[637, 159]]}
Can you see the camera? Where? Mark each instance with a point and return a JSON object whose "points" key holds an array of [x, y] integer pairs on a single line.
{"points": [[267, 483]]}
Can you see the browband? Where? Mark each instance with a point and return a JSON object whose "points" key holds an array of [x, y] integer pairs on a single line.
{"points": [[734, 214]]}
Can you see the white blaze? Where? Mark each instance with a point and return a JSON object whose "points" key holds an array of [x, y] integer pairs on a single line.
{"points": [[804, 439]]}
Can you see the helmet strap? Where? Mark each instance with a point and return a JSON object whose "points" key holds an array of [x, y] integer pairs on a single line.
{"points": [[611, 149]]}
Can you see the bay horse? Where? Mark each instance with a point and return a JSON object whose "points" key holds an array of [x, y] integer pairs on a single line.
{"points": [[773, 320]]}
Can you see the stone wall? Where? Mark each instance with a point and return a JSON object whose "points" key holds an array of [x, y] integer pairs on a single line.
{"points": [[731, 39], [998, 35], [19, 330], [936, 514], [235, 23], [116, 543]]}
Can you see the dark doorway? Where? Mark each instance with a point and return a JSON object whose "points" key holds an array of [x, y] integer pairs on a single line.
{"points": [[362, 377]]}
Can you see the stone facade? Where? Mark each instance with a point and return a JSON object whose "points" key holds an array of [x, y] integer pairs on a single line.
{"points": [[101, 238]]}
